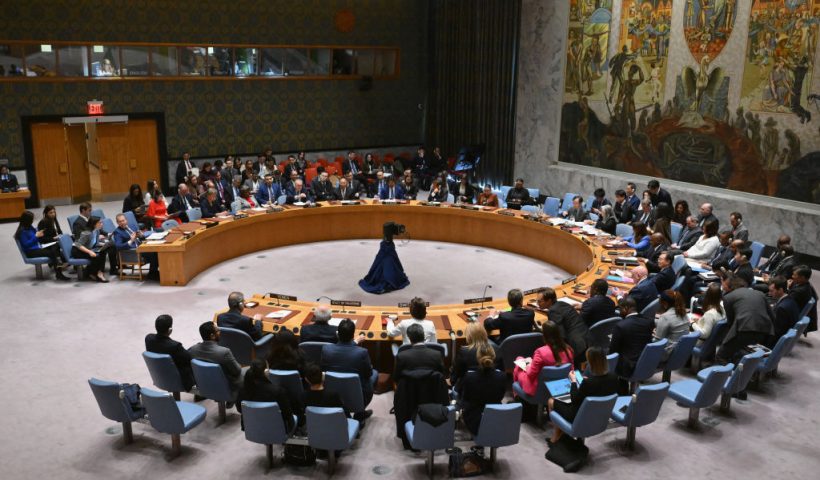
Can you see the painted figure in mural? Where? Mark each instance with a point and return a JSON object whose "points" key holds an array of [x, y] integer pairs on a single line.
{"points": [[708, 25], [793, 142], [586, 71], [771, 144], [778, 88], [573, 62], [655, 81], [616, 71], [799, 72], [631, 84], [690, 13]]}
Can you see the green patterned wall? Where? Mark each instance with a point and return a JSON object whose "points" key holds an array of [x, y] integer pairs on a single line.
{"points": [[215, 117]]}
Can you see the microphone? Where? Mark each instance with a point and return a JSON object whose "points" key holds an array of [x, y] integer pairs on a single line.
{"points": [[272, 295], [452, 335], [484, 294]]}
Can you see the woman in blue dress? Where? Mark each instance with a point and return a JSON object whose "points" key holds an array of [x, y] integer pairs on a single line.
{"points": [[387, 273]]}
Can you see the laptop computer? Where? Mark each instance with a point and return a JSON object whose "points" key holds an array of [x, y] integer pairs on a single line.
{"points": [[560, 389]]}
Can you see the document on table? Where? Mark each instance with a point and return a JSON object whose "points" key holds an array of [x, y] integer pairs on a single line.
{"points": [[157, 236], [279, 314], [335, 321]]}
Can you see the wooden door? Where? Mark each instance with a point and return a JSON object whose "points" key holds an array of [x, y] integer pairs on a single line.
{"points": [[77, 156], [143, 151], [50, 163], [112, 154]]}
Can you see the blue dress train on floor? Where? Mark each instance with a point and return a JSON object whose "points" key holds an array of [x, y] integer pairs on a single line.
{"points": [[386, 274]]}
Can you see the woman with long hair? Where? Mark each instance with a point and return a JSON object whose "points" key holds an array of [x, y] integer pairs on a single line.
{"points": [[135, 202], [158, 209], [151, 187], [466, 360], [481, 386], [712, 312], [681, 212], [607, 221], [555, 352], [438, 191], [706, 245], [673, 323], [663, 221], [86, 247], [639, 240], [285, 353], [50, 225], [29, 239]]}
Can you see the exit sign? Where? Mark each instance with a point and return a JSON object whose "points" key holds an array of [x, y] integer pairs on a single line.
{"points": [[95, 107]]}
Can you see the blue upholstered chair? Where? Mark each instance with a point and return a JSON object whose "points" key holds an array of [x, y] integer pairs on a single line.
{"points": [[71, 219], [113, 407], [757, 252], [66, 243], [695, 394], [600, 333], [566, 203], [349, 388], [108, 226], [807, 308], [172, 417], [678, 263], [530, 209], [651, 309], [675, 229], [552, 206], [740, 378], [98, 212], [623, 230], [520, 345], [439, 347], [592, 417], [680, 355], [799, 328], [541, 393], [451, 198], [329, 429], [169, 225], [594, 217], [502, 198], [423, 436], [534, 193], [499, 427], [706, 351], [639, 409], [194, 214], [132, 220], [283, 199], [38, 262], [242, 346], [769, 364], [313, 351], [163, 372], [213, 384], [291, 382], [263, 424], [647, 363]]}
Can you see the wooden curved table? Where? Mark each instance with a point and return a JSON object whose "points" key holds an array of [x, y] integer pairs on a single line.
{"points": [[192, 248]]}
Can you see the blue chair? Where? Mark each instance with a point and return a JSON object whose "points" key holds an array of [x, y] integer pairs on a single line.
{"points": [[313, 351], [329, 429], [71, 219], [542, 394], [680, 354], [740, 378], [38, 262], [349, 388], [534, 193], [589, 201], [505, 189], [194, 214], [799, 328], [594, 217], [520, 345], [263, 424], [623, 230], [642, 408], [163, 372], [532, 209], [551, 206], [769, 364], [567, 201], [291, 382], [592, 417], [66, 243], [108, 226], [647, 363], [695, 394], [676, 229], [807, 308], [98, 212], [236, 206], [600, 333], [502, 198], [169, 225], [132, 220], [423, 436], [651, 309], [706, 351], [213, 384], [757, 252], [243, 347], [451, 198], [678, 263], [113, 407], [172, 417], [611, 362], [499, 427], [283, 199]]}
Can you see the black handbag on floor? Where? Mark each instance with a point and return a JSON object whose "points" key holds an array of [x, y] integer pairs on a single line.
{"points": [[468, 464], [300, 455], [569, 454]]}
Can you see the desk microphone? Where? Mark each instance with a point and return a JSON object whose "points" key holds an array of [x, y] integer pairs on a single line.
{"points": [[324, 296], [452, 335], [484, 294]]}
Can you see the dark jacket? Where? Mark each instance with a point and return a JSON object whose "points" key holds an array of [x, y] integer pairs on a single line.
{"points": [[265, 391], [664, 279], [479, 388], [746, 272], [518, 320], [318, 332], [689, 237], [417, 357], [592, 386], [324, 398], [747, 311], [629, 337], [802, 294], [415, 388], [786, 313], [349, 358], [597, 308], [624, 212], [573, 329], [182, 359], [466, 360], [644, 293], [233, 318], [178, 205]]}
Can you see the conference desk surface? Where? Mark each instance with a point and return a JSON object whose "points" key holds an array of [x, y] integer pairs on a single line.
{"points": [[12, 204]]}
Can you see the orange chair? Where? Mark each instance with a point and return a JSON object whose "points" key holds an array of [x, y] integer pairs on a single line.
{"points": [[281, 167], [331, 169], [338, 167], [310, 174], [339, 159], [322, 162]]}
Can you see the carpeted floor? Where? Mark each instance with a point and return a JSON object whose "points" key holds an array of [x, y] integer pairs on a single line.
{"points": [[60, 334]]}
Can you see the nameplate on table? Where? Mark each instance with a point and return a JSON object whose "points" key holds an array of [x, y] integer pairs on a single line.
{"points": [[346, 303], [534, 290], [280, 296], [584, 239], [589, 267], [469, 301], [407, 305], [569, 280]]}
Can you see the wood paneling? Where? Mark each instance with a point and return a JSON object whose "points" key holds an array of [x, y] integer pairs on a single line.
{"points": [[50, 163], [143, 151], [112, 153], [77, 157]]}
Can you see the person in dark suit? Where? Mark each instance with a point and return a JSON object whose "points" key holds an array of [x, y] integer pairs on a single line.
{"points": [[185, 169], [690, 234], [466, 358], [319, 330], [607, 221], [518, 196], [49, 225], [776, 257], [233, 318], [182, 202], [517, 320], [644, 291], [257, 387], [743, 268], [739, 230], [391, 191], [344, 191], [417, 356], [657, 245], [209, 350], [601, 382], [802, 291], [665, 277], [379, 185], [576, 212], [599, 201], [485, 385], [224, 192], [598, 306], [347, 356], [785, 267], [438, 191], [322, 188], [786, 311], [316, 395], [573, 329], [658, 194], [749, 316], [126, 239], [298, 193], [464, 192], [724, 254], [624, 213], [8, 181], [631, 198], [209, 204], [292, 168], [269, 192], [351, 165], [161, 342], [82, 221], [706, 215], [630, 336]]}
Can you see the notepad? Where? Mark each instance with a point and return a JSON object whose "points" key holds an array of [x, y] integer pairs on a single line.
{"points": [[278, 314], [569, 301], [157, 236], [523, 363], [336, 321]]}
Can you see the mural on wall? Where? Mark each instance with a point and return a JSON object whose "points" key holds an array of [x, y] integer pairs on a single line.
{"points": [[766, 143], [587, 45], [707, 26]]}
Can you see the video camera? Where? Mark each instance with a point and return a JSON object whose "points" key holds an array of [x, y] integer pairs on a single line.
{"points": [[392, 228]]}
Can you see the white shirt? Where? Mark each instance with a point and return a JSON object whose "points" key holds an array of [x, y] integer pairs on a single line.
{"points": [[704, 248], [401, 329]]}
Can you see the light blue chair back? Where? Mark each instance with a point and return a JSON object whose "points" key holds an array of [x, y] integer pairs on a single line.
{"points": [[163, 412], [211, 381], [163, 371], [66, 243], [706, 350], [588, 205], [71, 219], [800, 327], [594, 217], [744, 372], [500, 425], [712, 386], [108, 226], [567, 201], [682, 351], [534, 194], [600, 333], [547, 374], [32, 260], [283, 199], [349, 388], [522, 344], [263, 423], [807, 308], [530, 209], [649, 360], [329, 429], [651, 310], [239, 343], [678, 283], [757, 252], [132, 220], [291, 382], [313, 351], [770, 363], [502, 199], [593, 416], [97, 212], [505, 189], [676, 229], [645, 405], [451, 198], [236, 206], [678, 263], [169, 224], [194, 214], [423, 436], [623, 230], [111, 405], [551, 206]]}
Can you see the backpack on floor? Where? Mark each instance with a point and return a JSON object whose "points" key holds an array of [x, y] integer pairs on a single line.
{"points": [[569, 454], [300, 455], [468, 464]]}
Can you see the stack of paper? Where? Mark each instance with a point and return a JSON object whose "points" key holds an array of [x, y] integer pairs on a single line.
{"points": [[278, 314]]}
